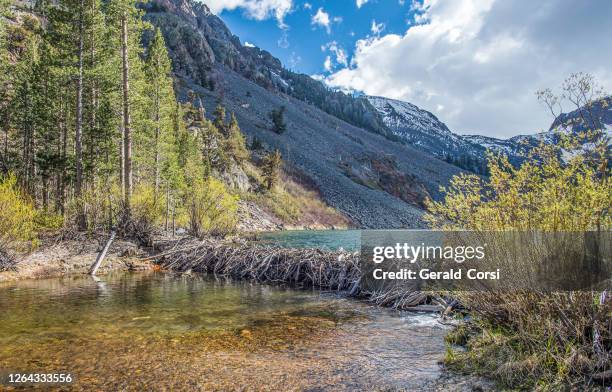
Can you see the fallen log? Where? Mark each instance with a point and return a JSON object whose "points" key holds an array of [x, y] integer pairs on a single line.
{"points": [[102, 255]]}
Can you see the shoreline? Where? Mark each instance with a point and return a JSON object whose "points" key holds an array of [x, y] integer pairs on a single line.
{"points": [[56, 259]]}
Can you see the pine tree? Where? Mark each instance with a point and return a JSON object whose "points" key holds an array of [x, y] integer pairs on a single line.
{"points": [[235, 142], [271, 167], [278, 120], [128, 27], [161, 94], [219, 120]]}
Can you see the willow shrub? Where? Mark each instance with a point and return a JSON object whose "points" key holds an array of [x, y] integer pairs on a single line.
{"points": [[533, 339], [17, 217], [211, 208]]}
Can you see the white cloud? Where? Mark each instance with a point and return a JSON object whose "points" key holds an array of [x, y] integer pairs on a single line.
{"points": [[377, 28], [318, 77], [361, 2], [248, 44], [283, 41], [256, 9], [327, 65], [339, 53], [294, 60], [307, 6], [479, 62], [322, 19]]}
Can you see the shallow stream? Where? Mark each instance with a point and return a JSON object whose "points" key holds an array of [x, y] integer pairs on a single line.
{"points": [[157, 331]]}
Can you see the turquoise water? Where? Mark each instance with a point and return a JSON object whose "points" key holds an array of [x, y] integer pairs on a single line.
{"points": [[349, 240], [156, 331]]}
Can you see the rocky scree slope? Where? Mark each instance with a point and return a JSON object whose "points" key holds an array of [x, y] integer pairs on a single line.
{"points": [[376, 182]]}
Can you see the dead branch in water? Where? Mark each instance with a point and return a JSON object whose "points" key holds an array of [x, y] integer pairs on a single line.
{"points": [[94, 267], [301, 268]]}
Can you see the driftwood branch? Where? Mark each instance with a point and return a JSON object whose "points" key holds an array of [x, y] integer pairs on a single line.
{"points": [[102, 255]]}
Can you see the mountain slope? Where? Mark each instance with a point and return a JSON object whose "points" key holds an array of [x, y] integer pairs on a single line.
{"points": [[596, 116], [198, 40], [424, 131], [375, 181]]}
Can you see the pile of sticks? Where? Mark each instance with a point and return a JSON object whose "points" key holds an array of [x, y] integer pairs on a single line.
{"points": [[300, 268]]}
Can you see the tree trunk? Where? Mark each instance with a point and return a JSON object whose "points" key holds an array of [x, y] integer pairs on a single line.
{"points": [[121, 158], [94, 101], [61, 186], [78, 189], [157, 132], [127, 137], [167, 209], [45, 192]]}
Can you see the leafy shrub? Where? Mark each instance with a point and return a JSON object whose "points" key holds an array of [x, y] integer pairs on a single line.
{"points": [[212, 209], [146, 211], [534, 338], [48, 221], [17, 226], [101, 205]]}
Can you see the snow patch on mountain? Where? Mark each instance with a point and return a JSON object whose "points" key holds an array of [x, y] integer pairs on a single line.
{"points": [[402, 117]]}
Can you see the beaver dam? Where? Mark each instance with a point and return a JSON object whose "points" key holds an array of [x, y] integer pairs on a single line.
{"points": [[333, 270]]}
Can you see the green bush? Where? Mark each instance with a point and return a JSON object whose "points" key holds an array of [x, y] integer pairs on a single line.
{"points": [[211, 208], [48, 221], [17, 214], [101, 205], [533, 339]]}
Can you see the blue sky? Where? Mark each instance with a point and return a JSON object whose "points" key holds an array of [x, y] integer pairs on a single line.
{"points": [[301, 51], [476, 64]]}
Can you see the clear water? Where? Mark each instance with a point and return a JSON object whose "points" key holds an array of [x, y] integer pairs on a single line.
{"points": [[156, 331], [349, 240]]}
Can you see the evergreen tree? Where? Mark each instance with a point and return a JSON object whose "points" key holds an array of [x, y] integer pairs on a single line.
{"points": [[219, 119], [271, 167], [235, 143], [256, 144], [161, 94], [278, 120]]}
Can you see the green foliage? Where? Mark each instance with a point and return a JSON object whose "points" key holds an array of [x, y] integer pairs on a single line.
{"points": [[270, 168], [235, 142], [147, 206], [48, 221], [543, 194], [278, 120], [211, 208], [533, 338], [17, 215], [219, 119], [161, 94], [256, 144]]}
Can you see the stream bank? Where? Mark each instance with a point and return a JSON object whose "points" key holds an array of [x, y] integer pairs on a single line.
{"points": [[56, 258], [154, 331]]}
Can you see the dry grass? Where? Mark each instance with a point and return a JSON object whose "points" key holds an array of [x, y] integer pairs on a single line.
{"points": [[295, 201], [536, 340]]}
